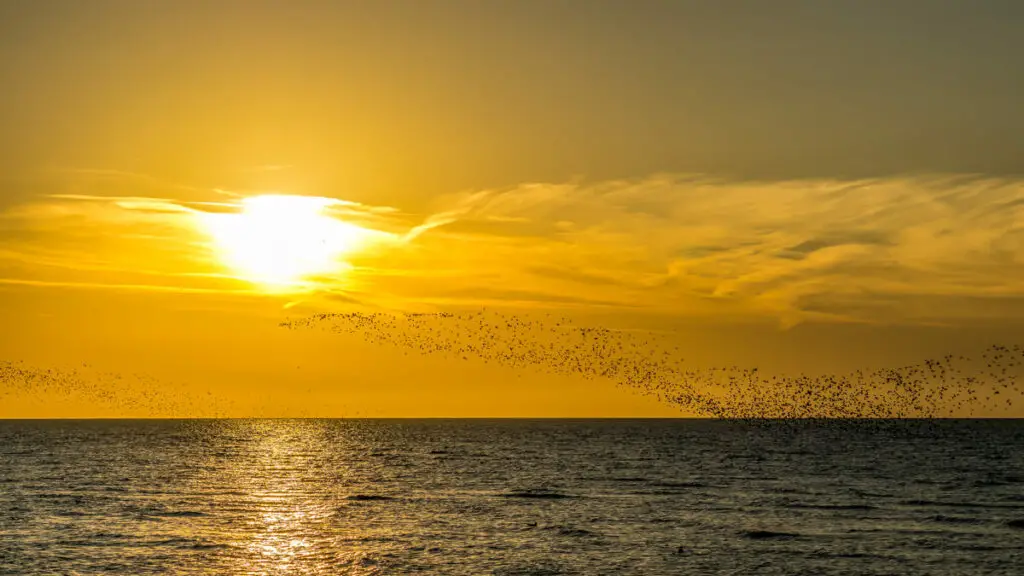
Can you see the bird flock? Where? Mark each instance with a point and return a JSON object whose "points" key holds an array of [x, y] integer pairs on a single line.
{"points": [[648, 363], [645, 362], [134, 393]]}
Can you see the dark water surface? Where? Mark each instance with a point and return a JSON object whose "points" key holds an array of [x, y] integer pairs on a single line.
{"points": [[510, 497]]}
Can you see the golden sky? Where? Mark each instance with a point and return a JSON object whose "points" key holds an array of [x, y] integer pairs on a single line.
{"points": [[804, 188]]}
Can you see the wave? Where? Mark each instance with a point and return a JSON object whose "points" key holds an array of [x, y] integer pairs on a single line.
{"points": [[369, 498], [538, 570], [570, 531], [679, 484], [69, 513], [186, 544], [829, 506], [768, 535], [179, 514], [956, 519], [936, 503], [537, 494]]}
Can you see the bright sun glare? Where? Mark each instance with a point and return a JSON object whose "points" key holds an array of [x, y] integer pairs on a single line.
{"points": [[279, 240]]}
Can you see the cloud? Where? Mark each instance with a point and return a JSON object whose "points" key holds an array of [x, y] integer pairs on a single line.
{"points": [[795, 250], [128, 242], [493, 296], [908, 250], [128, 287]]}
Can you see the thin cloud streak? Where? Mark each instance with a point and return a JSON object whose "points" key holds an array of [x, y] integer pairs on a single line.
{"points": [[129, 287]]}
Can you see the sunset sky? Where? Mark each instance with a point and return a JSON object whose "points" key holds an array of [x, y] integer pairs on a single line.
{"points": [[800, 185]]}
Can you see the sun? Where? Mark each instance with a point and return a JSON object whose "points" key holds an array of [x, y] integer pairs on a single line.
{"points": [[279, 240]]}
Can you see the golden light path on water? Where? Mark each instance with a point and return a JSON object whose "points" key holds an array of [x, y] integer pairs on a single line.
{"points": [[278, 475], [279, 538]]}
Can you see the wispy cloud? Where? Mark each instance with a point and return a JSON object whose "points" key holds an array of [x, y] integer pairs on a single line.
{"points": [[129, 287], [795, 250], [935, 249]]}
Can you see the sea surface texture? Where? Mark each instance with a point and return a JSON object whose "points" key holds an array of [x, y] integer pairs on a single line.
{"points": [[510, 497]]}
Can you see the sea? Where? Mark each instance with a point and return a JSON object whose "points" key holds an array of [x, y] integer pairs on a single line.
{"points": [[511, 497]]}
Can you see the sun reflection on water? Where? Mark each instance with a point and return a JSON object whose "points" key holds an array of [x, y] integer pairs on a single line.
{"points": [[270, 477], [280, 487]]}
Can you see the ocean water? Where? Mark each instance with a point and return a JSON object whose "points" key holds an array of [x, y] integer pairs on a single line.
{"points": [[510, 497]]}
